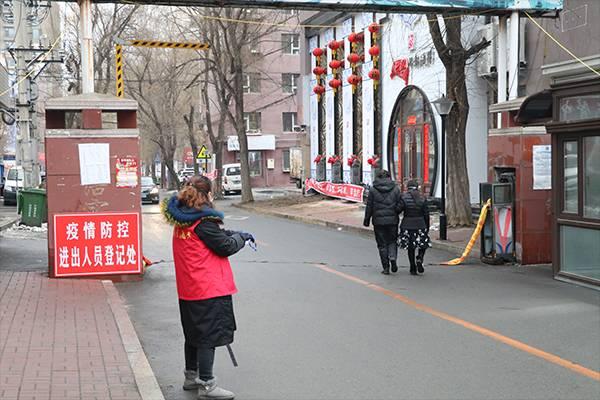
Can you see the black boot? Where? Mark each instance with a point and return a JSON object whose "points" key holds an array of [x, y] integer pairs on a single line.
{"points": [[420, 257], [394, 265], [411, 260], [386, 268]]}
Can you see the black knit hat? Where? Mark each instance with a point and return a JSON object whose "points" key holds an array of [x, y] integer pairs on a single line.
{"points": [[412, 184]]}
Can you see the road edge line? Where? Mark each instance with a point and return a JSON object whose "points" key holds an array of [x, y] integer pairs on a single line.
{"points": [[516, 344], [145, 379]]}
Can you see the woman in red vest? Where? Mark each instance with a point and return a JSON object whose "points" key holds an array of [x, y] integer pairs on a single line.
{"points": [[204, 281]]}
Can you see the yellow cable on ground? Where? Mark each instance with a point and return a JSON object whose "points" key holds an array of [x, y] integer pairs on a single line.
{"points": [[476, 232]]}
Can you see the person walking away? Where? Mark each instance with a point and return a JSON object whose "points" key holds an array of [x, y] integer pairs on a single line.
{"points": [[382, 209], [205, 283], [414, 229]]}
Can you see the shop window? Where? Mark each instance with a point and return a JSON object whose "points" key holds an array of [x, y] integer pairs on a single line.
{"points": [[571, 181], [289, 83], [252, 82], [578, 108], [289, 121], [255, 163], [591, 177], [290, 43], [252, 121], [580, 253], [286, 161]]}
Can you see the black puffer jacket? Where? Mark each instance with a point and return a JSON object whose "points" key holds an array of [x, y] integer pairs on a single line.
{"points": [[416, 212], [383, 203]]}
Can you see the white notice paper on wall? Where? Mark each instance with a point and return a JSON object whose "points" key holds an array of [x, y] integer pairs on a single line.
{"points": [[94, 163], [542, 167]]}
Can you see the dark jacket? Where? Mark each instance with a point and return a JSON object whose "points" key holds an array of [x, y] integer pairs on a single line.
{"points": [[383, 203], [416, 212]]}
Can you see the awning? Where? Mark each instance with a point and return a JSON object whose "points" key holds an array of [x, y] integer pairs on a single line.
{"points": [[536, 109], [255, 142]]}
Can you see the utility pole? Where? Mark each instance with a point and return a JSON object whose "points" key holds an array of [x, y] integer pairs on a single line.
{"points": [[87, 46], [26, 149]]}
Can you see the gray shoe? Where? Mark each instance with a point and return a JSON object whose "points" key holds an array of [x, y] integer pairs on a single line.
{"points": [[208, 390], [190, 382]]}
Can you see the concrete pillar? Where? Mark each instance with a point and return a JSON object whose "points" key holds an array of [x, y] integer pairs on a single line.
{"points": [[513, 58], [87, 46]]}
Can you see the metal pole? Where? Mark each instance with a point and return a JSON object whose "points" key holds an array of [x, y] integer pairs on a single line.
{"points": [[443, 222], [513, 59], [87, 46], [501, 64]]}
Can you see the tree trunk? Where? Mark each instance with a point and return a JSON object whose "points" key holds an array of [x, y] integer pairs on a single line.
{"points": [[189, 120], [241, 127]]}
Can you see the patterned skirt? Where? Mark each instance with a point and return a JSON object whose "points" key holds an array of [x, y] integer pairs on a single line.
{"points": [[414, 239]]}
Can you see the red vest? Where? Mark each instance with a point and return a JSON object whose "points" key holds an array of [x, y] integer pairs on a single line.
{"points": [[200, 273]]}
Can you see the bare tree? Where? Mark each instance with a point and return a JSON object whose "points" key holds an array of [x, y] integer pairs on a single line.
{"points": [[455, 57]]}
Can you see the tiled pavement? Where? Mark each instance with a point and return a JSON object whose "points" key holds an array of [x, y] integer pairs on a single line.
{"points": [[59, 339]]}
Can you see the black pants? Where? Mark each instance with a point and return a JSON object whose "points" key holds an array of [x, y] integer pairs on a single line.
{"points": [[411, 257], [386, 237], [200, 359]]}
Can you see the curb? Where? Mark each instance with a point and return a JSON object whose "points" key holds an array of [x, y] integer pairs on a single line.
{"points": [[144, 376], [437, 244], [4, 226]]}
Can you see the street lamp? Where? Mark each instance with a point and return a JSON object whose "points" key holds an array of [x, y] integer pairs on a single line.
{"points": [[443, 106]]}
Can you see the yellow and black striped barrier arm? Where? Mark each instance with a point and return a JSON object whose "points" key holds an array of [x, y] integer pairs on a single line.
{"points": [[168, 45], [119, 73]]}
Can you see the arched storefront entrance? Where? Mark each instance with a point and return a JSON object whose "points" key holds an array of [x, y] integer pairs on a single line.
{"points": [[412, 139]]}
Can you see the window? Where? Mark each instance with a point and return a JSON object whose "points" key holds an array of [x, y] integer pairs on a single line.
{"points": [[289, 83], [591, 177], [233, 171], [570, 199], [289, 121], [255, 163], [290, 43], [252, 82], [252, 121], [286, 161]]}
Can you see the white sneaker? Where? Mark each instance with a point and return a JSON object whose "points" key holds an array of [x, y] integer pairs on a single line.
{"points": [[208, 390], [190, 382]]}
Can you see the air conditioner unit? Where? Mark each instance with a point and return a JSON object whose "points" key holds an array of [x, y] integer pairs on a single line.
{"points": [[253, 132], [486, 60], [297, 128]]}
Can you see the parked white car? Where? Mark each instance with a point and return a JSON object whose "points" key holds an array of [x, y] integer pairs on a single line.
{"points": [[232, 178]]}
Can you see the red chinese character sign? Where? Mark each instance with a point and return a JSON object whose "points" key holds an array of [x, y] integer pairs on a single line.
{"points": [[339, 190], [96, 244]]}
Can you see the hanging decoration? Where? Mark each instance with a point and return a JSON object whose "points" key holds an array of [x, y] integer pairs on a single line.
{"points": [[318, 71], [335, 84], [351, 159], [353, 59], [374, 29], [335, 65], [374, 52], [318, 158], [354, 80], [354, 38], [374, 75], [334, 45], [319, 90], [333, 159], [400, 69], [318, 52]]}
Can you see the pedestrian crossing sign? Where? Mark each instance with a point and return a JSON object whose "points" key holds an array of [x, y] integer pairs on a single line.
{"points": [[203, 154]]}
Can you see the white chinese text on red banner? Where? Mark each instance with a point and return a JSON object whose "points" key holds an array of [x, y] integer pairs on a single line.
{"points": [[96, 244], [338, 190]]}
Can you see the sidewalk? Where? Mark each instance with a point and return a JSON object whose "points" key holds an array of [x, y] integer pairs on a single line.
{"points": [[69, 339], [349, 216], [8, 216]]}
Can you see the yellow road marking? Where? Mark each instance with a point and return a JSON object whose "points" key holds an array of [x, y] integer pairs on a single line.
{"points": [[579, 369]]}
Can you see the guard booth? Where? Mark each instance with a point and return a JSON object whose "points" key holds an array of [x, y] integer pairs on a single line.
{"points": [[93, 176], [498, 232]]}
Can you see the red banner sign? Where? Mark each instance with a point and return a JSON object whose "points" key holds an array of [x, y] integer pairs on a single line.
{"points": [[96, 244], [339, 190]]}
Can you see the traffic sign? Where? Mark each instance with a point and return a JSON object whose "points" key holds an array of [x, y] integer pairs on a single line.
{"points": [[203, 154]]}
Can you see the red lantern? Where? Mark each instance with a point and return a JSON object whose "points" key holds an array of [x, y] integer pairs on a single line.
{"points": [[360, 36], [353, 58], [318, 52], [354, 80], [318, 71], [335, 64], [319, 90], [374, 74], [374, 52], [374, 27], [352, 37], [334, 45], [335, 84]]}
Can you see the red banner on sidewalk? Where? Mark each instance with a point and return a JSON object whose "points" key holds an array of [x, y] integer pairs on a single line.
{"points": [[96, 244], [339, 190]]}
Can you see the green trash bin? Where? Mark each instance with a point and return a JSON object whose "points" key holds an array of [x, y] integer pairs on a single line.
{"points": [[32, 207]]}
